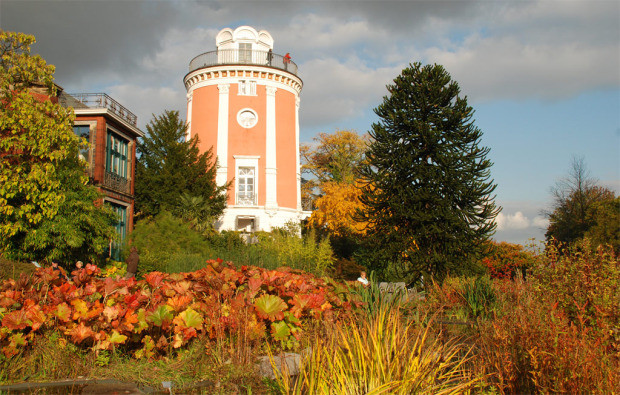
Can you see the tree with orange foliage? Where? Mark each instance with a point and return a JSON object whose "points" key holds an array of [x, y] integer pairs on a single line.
{"points": [[331, 158], [334, 210], [330, 188]]}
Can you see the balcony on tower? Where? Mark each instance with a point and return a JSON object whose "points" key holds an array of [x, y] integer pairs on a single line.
{"points": [[247, 56]]}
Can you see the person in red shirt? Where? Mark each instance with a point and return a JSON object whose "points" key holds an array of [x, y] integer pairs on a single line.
{"points": [[287, 60]]}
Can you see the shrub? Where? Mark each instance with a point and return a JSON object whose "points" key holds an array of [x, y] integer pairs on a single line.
{"points": [[506, 260], [560, 330], [13, 269], [303, 253], [160, 238], [169, 244], [162, 313], [584, 283]]}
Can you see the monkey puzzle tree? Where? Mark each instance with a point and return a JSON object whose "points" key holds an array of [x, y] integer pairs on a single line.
{"points": [[426, 180]]}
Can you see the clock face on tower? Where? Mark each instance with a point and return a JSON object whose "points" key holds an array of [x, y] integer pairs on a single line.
{"points": [[247, 118]]}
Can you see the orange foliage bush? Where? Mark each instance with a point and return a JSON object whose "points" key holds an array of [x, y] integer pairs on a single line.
{"points": [[163, 312], [560, 330], [504, 260]]}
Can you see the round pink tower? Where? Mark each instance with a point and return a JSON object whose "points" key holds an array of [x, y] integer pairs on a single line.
{"points": [[243, 100]]}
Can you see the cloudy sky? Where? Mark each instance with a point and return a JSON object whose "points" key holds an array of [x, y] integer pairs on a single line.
{"points": [[543, 76]]}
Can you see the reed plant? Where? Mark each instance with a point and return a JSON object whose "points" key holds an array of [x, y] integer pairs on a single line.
{"points": [[380, 354], [374, 298], [479, 296]]}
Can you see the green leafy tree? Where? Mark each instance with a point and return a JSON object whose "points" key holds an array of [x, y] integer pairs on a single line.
{"points": [[606, 228], [81, 229], [169, 166], [35, 137], [575, 198], [48, 211], [426, 179]]}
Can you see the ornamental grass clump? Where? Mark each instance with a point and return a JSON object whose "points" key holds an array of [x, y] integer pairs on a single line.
{"points": [[382, 354]]}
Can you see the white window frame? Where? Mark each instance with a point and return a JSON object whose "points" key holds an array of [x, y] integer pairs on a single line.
{"points": [[245, 54], [246, 161], [247, 88]]}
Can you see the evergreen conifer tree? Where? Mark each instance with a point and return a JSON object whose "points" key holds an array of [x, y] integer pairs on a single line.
{"points": [[169, 166], [427, 188]]}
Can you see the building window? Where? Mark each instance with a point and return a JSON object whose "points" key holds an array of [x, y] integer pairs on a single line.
{"points": [[83, 131], [117, 155], [121, 230], [246, 186], [247, 88], [245, 52]]}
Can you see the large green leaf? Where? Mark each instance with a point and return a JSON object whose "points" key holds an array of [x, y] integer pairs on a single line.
{"points": [[161, 316], [270, 307], [117, 338], [191, 318], [280, 331]]}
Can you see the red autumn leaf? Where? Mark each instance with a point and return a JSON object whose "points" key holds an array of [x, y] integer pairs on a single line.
{"points": [[112, 312], [17, 341], [134, 300], [188, 333], [35, 315], [9, 298], [182, 287], [111, 286], [80, 332], [90, 289], [162, 343], [92, 269], [254, 285], [95, 309], [16, 320], [130, 319], [179, 302], [154, 279]]}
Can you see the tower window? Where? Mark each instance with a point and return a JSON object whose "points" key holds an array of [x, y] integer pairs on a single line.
{"points": [[121, 230], [247, 88], [246, 191], [245, 52]]}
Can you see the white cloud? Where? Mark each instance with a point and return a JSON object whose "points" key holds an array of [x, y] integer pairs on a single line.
{"points": [[540, 222], [335, 90], [512, 221], [505, 68], [177, 48]]}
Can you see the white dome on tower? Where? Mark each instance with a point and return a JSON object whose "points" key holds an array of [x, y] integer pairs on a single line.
{"points": [[230, 39]]}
